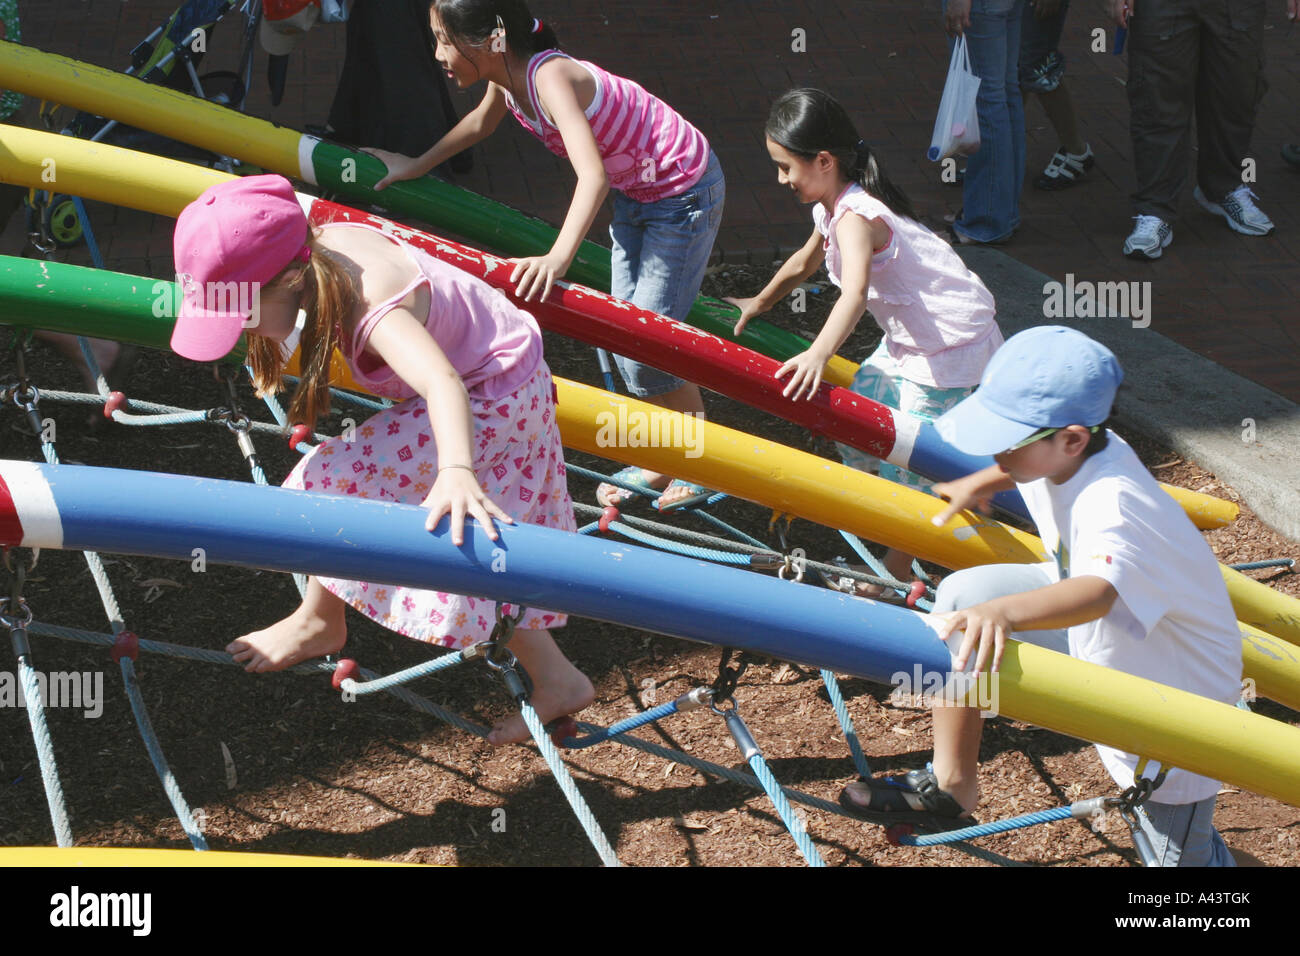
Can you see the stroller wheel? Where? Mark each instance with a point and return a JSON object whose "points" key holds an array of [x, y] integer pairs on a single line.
{"points": [[62, 221]]}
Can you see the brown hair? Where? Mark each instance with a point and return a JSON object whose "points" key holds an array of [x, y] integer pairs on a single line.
{"points": [[329, 297]]}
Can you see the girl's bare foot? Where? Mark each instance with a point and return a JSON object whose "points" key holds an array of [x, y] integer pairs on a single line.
{"points": [[559, 687], [297, 638], [550, 702]]}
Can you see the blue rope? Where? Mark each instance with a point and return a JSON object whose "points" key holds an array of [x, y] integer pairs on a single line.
{"points": [[45, 753], [622, 727], [606, 372], [987, 829], [846, 723], [358, 688], [785, 811], [689, 550], [87, 233], [455, 720], [176, 415], [652, 493], [278, 413], [1271, 563], [570, 789], [379, 404], [754, 757], [152, 745]]}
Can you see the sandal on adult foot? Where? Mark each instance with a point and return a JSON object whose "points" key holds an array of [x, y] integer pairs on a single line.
{"points": [[914, 797], [698, 495], [882, 593], [631, 475]]}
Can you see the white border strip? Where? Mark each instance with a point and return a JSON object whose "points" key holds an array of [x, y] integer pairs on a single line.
{"points": [[906, 428], [34, 502], [306, 147]]}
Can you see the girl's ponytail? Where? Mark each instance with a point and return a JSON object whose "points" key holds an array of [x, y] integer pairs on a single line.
{"points": [[808, 121], [476, 21], [329, 297], [872, 178]]}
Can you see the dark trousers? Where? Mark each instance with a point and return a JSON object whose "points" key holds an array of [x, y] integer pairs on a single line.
{"points": [[1185, 55], [391, 94]]}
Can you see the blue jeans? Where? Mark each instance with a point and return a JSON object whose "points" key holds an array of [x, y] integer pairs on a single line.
{"points": [[996, 172], [660, 252]]}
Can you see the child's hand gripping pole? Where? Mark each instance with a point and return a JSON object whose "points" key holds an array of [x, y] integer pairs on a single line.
{"points": [[456, 492]]}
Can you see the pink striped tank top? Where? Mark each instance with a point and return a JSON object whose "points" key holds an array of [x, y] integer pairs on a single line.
{"points": [[494, 346], [650, 152]]}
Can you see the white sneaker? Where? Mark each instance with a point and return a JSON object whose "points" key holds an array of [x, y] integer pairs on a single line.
{"points": [[1148, 238], [1239, 208]]}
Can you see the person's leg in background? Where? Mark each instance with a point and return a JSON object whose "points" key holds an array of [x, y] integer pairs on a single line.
{"points": [[990, 192], [1163, 62], [1042, 72], [1229, 88]]}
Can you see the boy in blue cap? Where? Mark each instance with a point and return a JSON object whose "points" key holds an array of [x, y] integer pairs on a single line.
{"points": [[1133, 585]]}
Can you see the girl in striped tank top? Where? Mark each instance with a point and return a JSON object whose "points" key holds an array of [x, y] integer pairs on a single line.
{"points": [[669, 187]]}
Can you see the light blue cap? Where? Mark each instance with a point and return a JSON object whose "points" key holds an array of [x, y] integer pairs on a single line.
{"points": [[1045, 377]]}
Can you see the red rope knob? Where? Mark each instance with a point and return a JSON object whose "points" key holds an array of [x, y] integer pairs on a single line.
{"points": [[126, 644], [563, 728], [609, 514], [115, 401], [345, 668], [298, 435]]}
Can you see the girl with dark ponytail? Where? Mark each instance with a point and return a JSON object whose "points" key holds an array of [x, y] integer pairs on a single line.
{"points": [[937, 316], [668, 184]]}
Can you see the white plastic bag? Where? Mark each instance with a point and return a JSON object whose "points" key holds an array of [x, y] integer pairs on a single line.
{"points": [[957, 127]]}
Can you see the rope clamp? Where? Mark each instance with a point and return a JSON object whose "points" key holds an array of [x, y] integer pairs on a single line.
{"points": [[26, 397], [794, 562], [13, 622], [502, 660], [745, 742], [40, 237]]}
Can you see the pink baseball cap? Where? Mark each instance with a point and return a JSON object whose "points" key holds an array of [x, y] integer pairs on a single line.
{"points": [[232, 240]]}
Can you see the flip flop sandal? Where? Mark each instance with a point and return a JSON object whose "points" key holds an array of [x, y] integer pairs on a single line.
{"points": [[631, 475], [887, 595], [912, 798], [699, 494]]}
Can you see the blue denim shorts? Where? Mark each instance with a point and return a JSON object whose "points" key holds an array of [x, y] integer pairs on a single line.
{"points": [[1183, 834], [660, 252], [1041, 64]]}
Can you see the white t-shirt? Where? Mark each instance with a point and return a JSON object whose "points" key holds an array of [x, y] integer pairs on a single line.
{"points": [[1172, 622], [936, 314]]}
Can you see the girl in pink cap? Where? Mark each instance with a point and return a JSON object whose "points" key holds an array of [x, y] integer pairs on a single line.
{"points": [[668, 185], [474, 433]]}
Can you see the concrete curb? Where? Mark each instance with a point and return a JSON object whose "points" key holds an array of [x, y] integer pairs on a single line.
{"points": [[1195, 406]]}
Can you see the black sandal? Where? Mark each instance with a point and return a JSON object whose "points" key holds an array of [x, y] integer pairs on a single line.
{"points": [[913, 798]]}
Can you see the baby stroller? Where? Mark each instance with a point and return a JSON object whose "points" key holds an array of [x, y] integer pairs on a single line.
{"points": [[169, 56]]}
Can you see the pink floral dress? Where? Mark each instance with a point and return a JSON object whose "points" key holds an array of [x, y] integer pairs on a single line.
{"points": [[518, 458]]}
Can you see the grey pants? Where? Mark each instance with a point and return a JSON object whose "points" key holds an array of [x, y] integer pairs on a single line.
{"points": [[1185, 55]]}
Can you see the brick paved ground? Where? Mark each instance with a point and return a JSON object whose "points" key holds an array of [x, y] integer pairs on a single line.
{"points": [[721, 62]]}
